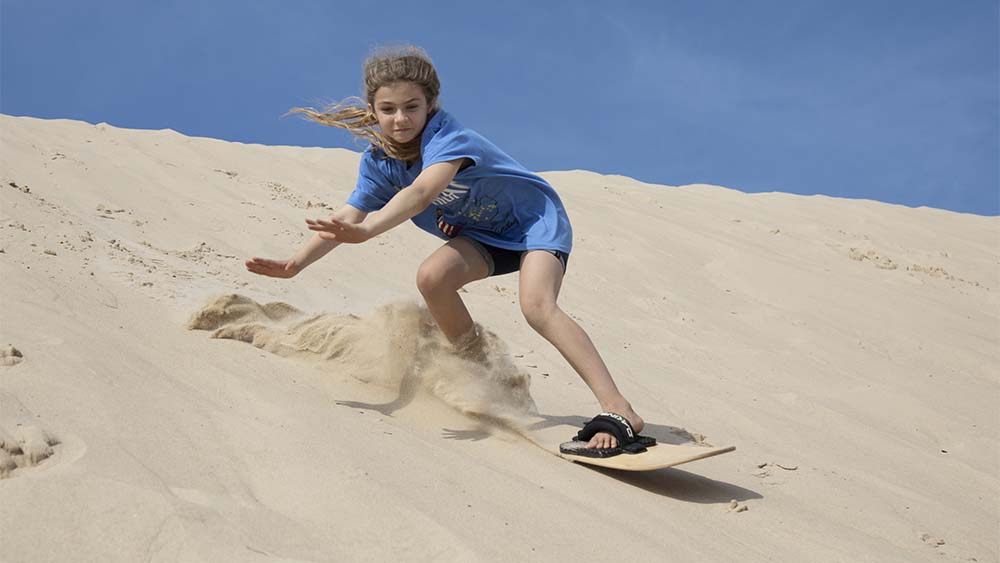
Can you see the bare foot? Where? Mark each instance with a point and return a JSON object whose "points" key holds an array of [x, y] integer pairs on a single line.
{"points": [[603, 440]]}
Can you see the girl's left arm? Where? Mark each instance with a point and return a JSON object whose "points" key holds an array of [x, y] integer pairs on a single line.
{"points": [[403, 206]]}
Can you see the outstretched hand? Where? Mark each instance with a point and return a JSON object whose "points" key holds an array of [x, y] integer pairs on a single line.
{"points": [[272, 268], [340, 231]]}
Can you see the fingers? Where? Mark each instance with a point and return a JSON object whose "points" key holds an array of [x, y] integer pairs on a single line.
{"points": [[328, 230], [258, 263], [321, 225], [266, 267], [257, 268]]}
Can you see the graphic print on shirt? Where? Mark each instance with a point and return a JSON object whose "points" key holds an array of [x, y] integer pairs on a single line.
{"points": [[450, 231], [481, 212], [485, 213], [454, 192], [451, 201]]}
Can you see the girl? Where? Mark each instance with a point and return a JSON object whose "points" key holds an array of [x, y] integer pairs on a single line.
{"points": [[496, 217]]}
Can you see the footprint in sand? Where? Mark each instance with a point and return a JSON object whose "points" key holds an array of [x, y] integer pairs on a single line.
{"points": [[10, 356], [23, 189], [24, 443], [880, 261], [279, 191], [735, 506], [109, 212], [933, 541], [24, 446]]}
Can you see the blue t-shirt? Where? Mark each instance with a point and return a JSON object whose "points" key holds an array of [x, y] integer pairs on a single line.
{"points": [[495, 200]]}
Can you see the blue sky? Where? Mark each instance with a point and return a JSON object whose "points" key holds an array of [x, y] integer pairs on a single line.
{"points": [[892, 100]]}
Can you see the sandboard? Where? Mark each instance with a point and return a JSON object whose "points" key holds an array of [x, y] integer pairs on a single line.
{"points": [[548, 434]]}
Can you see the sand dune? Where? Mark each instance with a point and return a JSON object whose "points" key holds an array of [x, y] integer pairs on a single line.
{"points": [[158, 402]]}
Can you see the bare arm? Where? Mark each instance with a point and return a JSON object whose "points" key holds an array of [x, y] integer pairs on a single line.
{"points": [[318, 247], [314, 249], [403, 206]]}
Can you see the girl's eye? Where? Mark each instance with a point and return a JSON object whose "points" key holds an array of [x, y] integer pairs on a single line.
{"points": [[393, 110]]}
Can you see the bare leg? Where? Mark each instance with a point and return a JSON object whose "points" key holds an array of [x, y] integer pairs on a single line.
{"points": [[541, 279], [439, 279]]}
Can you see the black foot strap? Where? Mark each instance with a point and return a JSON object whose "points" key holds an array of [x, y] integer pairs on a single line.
{"points": [[616, 425]]}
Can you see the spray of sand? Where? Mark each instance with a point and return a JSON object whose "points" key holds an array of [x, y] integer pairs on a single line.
{"points": [[398, 346]]}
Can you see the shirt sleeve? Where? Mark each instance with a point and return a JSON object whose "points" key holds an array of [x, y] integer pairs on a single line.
{"points": [[373, 189], [451, 143]]}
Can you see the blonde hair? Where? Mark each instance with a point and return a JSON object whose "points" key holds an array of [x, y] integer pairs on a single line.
{"points": [[384, 66]]}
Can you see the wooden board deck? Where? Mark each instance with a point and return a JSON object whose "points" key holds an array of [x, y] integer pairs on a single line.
{"points": [[663, 454]]}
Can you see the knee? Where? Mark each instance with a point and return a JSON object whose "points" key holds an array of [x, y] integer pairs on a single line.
{"points": [[539, 312], [432, 280]]}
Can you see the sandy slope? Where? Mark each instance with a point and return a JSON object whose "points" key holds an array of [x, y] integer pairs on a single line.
{"points": [[849, 349]]}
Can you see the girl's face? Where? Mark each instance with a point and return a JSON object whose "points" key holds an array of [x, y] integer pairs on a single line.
{"points": [[401, 109]]}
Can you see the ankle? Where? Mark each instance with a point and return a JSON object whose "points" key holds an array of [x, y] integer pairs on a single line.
{"points": [[466, 339], [618, 406], [471, 345]]}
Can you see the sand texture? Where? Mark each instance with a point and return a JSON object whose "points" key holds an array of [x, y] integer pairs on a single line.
{"points": [[160, 403]]}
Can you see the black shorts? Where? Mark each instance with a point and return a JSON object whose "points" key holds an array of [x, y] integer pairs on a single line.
{"points": [[500, 261]]}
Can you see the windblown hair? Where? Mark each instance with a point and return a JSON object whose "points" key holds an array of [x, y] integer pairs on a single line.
{"points": [[384, 66]]}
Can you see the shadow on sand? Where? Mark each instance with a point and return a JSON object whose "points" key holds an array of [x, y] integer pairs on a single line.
{"points": [[680, 485], [409, 386], [670, 482]]}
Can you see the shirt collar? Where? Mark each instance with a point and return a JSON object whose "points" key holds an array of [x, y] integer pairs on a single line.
{"points": [[434, 124]]}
